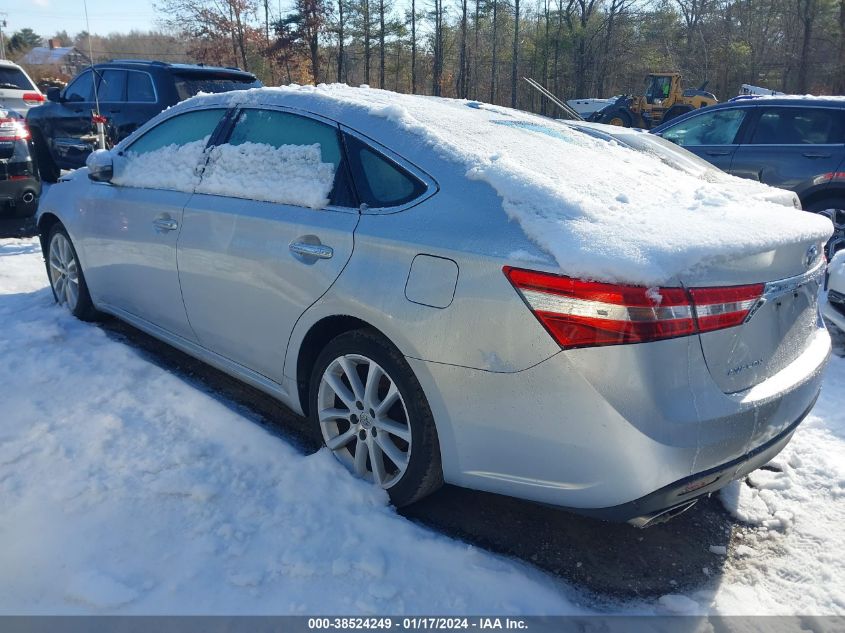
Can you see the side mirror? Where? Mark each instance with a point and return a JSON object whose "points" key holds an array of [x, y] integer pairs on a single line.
{"points": [[54, 94], [100, 165]]}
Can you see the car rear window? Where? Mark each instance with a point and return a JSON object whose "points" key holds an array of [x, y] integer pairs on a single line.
{"points": [[14, 79], [190, 84]]}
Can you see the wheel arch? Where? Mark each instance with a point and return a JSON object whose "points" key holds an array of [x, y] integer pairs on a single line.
{"points": [[315, 339], [833, 192], [46, 222]]}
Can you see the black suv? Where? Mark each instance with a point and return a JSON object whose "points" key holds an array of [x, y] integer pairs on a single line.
{"points": [[130, 93], [19, 183], [795, 143]]}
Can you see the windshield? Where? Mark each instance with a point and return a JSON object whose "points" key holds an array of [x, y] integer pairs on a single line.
{"points": [[190, 85], [14, 79], [657, 88]]}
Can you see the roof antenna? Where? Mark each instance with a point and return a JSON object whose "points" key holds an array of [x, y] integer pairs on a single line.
{"points": [[98, 118]]}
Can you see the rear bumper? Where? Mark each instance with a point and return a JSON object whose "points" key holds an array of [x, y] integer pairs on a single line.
{"points": [[682, 493], [616, 433], [19, 197]]}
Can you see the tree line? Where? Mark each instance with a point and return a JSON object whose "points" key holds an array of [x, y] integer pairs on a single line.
{"points": [[481, 49]]}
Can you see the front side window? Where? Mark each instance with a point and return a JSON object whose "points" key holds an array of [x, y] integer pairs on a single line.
{"points": [[81, 89], [717, 127], [799, 126], [279, 157], [180, 130], [166, 157]]}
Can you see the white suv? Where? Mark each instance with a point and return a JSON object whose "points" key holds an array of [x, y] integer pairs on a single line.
{"points": [[17, 90]]}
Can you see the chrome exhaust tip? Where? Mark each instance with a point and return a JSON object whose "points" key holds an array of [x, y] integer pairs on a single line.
{"points": [[28, 197], [662, 516]]}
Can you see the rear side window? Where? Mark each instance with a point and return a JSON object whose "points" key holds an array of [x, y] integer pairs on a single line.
{"points": [[379, 181], [179, 130], [14, 79], [189, 84], [139, 88], [717, 127], [81, 89], [799, 126], [112, 86]]}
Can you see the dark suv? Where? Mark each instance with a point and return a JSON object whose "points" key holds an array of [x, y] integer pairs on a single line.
{"points": [[789, 142], [19, 183], [130, 93]]}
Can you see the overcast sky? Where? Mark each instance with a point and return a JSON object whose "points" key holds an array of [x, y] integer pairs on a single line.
{"points": [[45, 17]]}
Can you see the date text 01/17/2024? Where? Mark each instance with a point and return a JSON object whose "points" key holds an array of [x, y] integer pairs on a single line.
{"points": [[417, 623]]}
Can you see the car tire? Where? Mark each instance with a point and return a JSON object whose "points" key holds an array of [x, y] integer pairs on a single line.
{"points": [[367, 421], [617, 116], [47, 169], [66, 278], [833, 208], [676, 111]]}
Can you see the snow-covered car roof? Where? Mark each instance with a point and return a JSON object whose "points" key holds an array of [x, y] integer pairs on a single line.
{"points": [[602, 210]]}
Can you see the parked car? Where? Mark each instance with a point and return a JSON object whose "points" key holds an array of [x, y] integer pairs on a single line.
{"points": [[833, 306], [17, 90], [20, 186], [679, 158], [129, 92], [424, 278], [796, 143]]}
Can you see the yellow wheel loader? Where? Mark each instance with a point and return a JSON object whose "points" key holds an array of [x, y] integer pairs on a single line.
{"points": [[664, 99]]}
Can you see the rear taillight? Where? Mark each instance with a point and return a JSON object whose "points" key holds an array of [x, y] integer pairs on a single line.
{"points": [[13, 130], [33, 98], [587, 313], [718, 308]]}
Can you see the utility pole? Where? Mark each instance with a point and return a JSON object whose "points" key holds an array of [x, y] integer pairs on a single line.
{"points": [[3, 15]]}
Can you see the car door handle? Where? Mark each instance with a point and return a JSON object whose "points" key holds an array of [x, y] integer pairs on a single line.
{"points": [[719, 152], [815, 155], [320, 251], [165, 224]]}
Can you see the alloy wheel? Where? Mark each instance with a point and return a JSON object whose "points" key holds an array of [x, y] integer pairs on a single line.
{"points": [[364, 420], [64, 271]]}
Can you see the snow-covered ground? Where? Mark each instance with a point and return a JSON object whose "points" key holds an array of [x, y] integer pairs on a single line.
{"points": [[125, 489]]}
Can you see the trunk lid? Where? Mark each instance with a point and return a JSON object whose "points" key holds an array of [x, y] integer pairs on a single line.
{"points": [[779, 327]]}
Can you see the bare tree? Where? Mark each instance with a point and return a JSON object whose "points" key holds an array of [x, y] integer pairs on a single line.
{"points": [[807, 10], [381, 33], [413, 47], [839, 81], [341, 36], [494, 62], [515, 58], [437, 70], [462, 62]]}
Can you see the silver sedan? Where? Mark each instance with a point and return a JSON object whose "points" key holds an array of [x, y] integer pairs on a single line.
{"points": [[317, 251]]}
